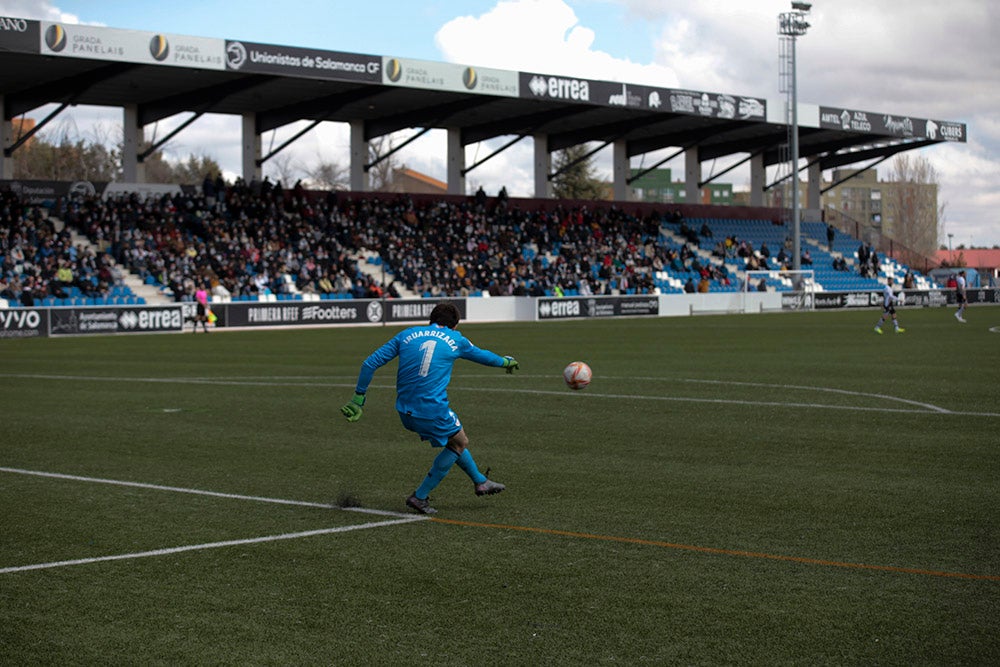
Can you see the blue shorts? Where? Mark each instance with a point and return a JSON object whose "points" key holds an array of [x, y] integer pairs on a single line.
{"points": [[436, 430]]}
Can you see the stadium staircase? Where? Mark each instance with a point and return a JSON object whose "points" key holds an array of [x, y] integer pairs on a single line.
{"points": [[757, 232], [133, 290], [672, 282], [370, 263]]}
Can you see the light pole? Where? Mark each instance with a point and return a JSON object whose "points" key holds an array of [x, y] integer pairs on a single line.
{"points": [[791, 25], [951, 253]]}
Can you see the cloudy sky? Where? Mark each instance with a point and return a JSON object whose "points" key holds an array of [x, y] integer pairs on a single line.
{"points": [[921, 58]]}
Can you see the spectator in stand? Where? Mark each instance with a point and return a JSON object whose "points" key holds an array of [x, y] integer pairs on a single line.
{"points": [[502, 198], [706, 231], [807, 259], [689, 287], [704, 286], [830, 235], [863, 260]]}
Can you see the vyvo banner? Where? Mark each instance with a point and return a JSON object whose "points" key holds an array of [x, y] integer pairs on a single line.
{"points": [[23, 323]]}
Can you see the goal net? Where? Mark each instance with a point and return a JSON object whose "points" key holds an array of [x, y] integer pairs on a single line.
{"points": [[796, 287]]}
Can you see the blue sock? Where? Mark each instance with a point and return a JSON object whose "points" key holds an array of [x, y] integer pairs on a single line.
{"points": [[468, 464], [442, 464]]}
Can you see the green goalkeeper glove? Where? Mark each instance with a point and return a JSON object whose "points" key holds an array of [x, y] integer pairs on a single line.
{"points": [[352, 410], [510, 363]]}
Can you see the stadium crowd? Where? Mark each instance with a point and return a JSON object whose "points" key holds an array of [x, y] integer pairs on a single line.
{"points": [[239, 240], [37, 261], [259, 238]]}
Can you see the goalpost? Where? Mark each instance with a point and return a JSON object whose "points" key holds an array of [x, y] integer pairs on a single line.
{"points": [[796, 287]]}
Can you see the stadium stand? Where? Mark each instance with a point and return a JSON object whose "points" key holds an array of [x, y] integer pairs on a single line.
{"points": [[261, 242], [41, 265]]}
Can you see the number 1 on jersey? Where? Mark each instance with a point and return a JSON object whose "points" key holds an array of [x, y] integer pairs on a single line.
{"points": [[425, 363]]}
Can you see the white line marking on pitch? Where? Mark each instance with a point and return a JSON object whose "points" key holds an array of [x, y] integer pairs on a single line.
{"points": [[398, 518], [210, 545], [200, 492], [826, 389], [932, 409], [727, 401]]}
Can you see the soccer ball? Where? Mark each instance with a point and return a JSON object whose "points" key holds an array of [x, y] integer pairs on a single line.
{"points": [[577, 375]]}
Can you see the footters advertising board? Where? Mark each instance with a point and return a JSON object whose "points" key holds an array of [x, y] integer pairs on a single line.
{"points": [[292, 313]]}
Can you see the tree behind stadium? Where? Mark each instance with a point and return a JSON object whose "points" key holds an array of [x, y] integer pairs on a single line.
{"points": [[912, 202], [69, 158], [576, 179]]}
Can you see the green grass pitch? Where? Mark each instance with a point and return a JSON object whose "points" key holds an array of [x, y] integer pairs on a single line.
{"points": [[768, 489]]}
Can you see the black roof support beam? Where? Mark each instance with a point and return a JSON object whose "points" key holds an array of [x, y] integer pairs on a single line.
{"points": [[604, 132], [525, 124], [840, 159], [431, 116], [71, 88], [687, 137], [321, 108], [202, 99]]}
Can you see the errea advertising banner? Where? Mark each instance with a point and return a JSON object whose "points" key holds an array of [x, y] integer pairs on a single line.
{"points": [[19, 35], [148, 48], [560, 308], [255, 58], [115, 320], [634, 96], [870, 122], [449, 76]]}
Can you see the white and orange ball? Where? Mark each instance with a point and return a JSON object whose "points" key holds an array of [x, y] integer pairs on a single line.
{"points": [[577, 375]]}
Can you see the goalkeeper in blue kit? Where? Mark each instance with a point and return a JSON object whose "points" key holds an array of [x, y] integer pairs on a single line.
{"points": [[426, 356]]}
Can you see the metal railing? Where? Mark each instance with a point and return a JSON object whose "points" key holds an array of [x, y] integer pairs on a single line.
{"points": [[884, 245]]}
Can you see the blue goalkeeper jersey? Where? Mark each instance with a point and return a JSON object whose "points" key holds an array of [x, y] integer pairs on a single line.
{"points": [[426, 356]]}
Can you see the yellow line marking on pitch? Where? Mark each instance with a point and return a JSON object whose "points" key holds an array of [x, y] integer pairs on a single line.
{"points": [[722, 552]]}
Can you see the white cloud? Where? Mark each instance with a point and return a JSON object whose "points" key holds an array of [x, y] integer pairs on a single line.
{"points": [[38, 10], [539, 36]]}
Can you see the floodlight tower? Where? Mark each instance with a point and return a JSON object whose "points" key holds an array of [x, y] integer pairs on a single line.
{"points": [[791, 25]]}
